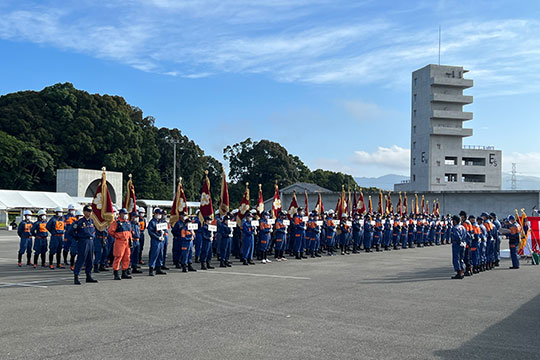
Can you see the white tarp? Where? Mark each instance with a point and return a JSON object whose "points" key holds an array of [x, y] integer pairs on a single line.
{"points": [[18, 199]]}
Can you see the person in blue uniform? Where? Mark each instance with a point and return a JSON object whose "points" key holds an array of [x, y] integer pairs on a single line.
{"points": [[345, 230], [281, 235], [265, 233], [458, 234], [176, 232], [387, 233], [56, 226], [136, 243], [330, 230], [404, 232], [419, 236], [368, 234], [513, 240], [100, 250], [25, 245], [356, 233], [226, 234], [69, 219], [497, 235], [378, 233], [163, 259], [206, 249], [197, 243], [156, 244], [83, 232], [248, 234], [40, 233], [396, 233], [474, 234], [411, 231], [298, 226]]}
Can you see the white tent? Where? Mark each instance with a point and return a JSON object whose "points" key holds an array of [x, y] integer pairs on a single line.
{"points": [[17, 199]]}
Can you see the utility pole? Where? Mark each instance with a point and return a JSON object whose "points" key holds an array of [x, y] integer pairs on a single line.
{"points": [[514, 177], [174, 142]]}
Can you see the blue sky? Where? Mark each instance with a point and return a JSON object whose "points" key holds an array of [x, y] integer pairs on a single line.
{"points": [[328, 79]]}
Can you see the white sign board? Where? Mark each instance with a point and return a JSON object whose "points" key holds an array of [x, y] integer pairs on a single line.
{"points": [[286, 222], [161, 226], [348, 223], [271, 221], [319, 222], [212, 228], [305, 218], [192, 226], [254, 222], [372, 222], [231, 224]]}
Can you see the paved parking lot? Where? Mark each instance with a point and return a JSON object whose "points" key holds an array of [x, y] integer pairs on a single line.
{"points": [[396, 305]]}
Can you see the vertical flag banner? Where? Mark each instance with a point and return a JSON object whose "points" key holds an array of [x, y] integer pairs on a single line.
{"points": [[370, 206], [319, 207], [361, 207], [416, 204], [206, 208], [406, 205], [423, 205], [306, 204], [380, 206], [276, 204], [399, 207], [224, 198], [244, 206], [130, 202], [260, 202], [293, 207], [179, 203], [102, 207]]}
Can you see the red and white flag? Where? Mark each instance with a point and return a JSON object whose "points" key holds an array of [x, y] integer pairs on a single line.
{"points": [[102, 207], [293, 207], [243, 209], [319, 206], [224, 198], [179, 203], [260, 202], [276, 204], [130, 203], [206, 208]]}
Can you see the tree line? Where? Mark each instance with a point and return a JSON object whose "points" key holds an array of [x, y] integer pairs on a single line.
{"points": [[63, 127]]}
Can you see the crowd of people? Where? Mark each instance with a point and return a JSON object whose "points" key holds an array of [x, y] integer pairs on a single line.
{"points": [[257, 236]]}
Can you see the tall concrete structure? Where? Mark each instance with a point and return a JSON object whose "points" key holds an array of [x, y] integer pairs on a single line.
{"points": [[439, 160], [83, 183]]}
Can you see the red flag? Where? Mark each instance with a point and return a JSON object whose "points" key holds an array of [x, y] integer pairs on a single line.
{"points": [[260, 202], [341, 207], [389, 206], [179, 203], [130, 203], [206, 208], [370, 206], [423, 205], [293, 207], [244, 205], [319, 207], [361, 207], [436, 211], [349, 207], [355, 203], [427, 208], [405, 205], [399, 206], [224, 198], [276, 204], [380, 206], [306, 202], [102, 207], [416, 210]]}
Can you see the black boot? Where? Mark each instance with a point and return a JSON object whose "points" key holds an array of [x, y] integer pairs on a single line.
{"points": [[203, 266], [136, 270], [196, 259], [191, 268], [125, 275], [459, 276], [43, 264], [250, 262], [228, 263], [29, 259], [76, 280], [209, 266], [150, 271], [184, 269], [377, 248], [159, 272], [222, 264], [65, 254], [244, 262], [302, 255], [103, 268], [164, 267], [96, 268], [36, 256], [19, 262], [90, 279], [116, 275]]}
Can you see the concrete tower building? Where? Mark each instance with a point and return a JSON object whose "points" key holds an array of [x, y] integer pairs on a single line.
{"points": [[439, 160]]}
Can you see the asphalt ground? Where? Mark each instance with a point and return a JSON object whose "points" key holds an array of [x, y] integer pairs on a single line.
{"points": [[393, 305]]}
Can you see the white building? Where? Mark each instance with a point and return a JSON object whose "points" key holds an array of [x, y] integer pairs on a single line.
{"points": [[439, 160]]}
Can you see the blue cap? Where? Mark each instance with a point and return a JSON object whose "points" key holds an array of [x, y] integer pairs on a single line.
{"points": [[158, 211], [484, 214], [87, 208], [123, 211], [511, 217]]}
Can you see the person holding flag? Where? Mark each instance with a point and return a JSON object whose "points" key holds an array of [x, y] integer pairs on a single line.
{"points": [[206, 216]]}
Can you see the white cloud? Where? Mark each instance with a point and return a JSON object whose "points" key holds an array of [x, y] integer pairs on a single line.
{"points": [[365, 111], [526, 163], [394, 157]]}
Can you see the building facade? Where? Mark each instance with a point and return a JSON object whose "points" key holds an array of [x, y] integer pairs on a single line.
{"points": [[439, 160]]}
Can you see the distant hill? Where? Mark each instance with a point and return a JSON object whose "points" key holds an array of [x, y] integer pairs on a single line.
{"points": [[385, 182]]}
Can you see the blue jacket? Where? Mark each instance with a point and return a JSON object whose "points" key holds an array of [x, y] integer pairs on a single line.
{"points": [[56, 225], [39, 229], [24, 229], [83, 229], [152, 230], [457, 234]]}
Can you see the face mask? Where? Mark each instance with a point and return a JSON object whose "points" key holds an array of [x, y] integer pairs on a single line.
{"points": [[72, 213], [125, 217], [186, 218], [42, 217], [159, 217], [27, 217], [59, 214], [135, 219]]}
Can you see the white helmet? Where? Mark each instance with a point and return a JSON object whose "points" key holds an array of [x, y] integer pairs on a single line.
{"points": [[58, 209], [41, 212], [330, 212], [78, 213], [27, 212], [115, 209], [71, 207], [141, 210]]}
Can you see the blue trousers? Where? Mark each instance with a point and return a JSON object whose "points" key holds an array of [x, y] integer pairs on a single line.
{"points": [[403, 240], [280, 241], [186, 252], [489, 251], [141, 245], [85, 254], [206, 251], [40, 245], [176, 250], [25, 245], [299, 242], [165, 244], [247, 247], [482, 251], [457, 257], [377, 238], [156, 251], [395, 238], [497, 249], [475, 258], [67, 243], [100, 252], [55, 246], [225, 248], [135, 253], [387, 237], [264, 243], [514, 255], [368, 239], [198, 244]]}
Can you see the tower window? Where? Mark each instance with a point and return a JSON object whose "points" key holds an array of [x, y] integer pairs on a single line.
{"points": [[414, 161], [414, 129], [423, 156], [414, 145], [414, 177]]}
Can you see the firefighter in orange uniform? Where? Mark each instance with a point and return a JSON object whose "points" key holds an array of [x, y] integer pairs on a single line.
{"points": [[120, 230]]}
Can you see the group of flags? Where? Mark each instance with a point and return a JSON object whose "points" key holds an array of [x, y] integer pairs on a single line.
{"points": [[348, 203]]}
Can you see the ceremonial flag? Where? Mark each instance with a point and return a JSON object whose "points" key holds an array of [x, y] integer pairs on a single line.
{"points": [[370, 206], [243, 209], [354, 203], [389, 205], [276, 204], [102, 207], [306, 202], [206, 208], [435, 208], [130, 203], [427, 207], [224, 198], [319, 207], [349, 204], [524, 234], [260, 202], [399, 206], [179, 203], [293, 207], [342, 203], [423, 206], [406, 205], [361, 207], [380, 206]]}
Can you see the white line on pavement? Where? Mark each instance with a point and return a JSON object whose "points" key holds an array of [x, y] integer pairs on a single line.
{"points": [[260, 275]]}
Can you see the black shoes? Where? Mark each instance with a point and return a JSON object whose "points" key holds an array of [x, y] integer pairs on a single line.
{"points": [[209, 266], [159, 272], [90, 279], [76, 280], [116, 275], [125, 275], [191, 268]]}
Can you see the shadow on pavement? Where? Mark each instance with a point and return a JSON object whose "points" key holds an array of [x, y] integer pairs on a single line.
{"points": [[515, 337], [431, 274]]}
